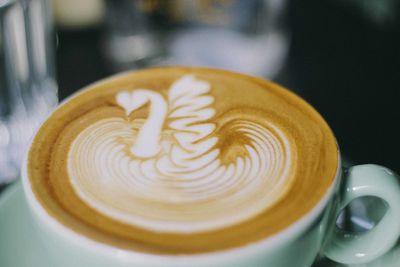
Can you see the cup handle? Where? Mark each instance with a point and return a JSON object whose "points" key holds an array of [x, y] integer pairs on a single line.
{"points": [[359, 248]]}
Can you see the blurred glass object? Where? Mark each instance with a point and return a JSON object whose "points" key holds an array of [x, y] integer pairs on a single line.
{"points": [[242, 35], [78, 14], [28, 90]]}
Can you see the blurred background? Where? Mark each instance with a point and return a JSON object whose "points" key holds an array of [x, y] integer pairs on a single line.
{"points": [[343, 56]]}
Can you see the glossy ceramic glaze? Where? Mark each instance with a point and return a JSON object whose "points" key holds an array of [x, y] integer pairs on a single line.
{"points": [[21, 247], [282, 250]]}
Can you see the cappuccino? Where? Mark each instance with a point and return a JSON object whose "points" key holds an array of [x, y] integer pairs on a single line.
{"points": [[181, 160]]}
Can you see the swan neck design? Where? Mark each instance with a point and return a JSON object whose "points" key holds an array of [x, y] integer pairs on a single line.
{"points": [[147, 143]]}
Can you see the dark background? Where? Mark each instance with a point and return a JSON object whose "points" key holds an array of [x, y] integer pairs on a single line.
{"points": [[345, 63]]}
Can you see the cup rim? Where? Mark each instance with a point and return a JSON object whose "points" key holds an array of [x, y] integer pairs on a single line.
{"points": [[67, 234], [137, 257]]}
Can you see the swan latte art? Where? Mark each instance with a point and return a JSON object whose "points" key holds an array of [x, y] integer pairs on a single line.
{"points": [[181, 161]]}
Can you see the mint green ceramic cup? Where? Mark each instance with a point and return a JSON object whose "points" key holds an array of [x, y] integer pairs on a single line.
{"points": [[297, 245]]}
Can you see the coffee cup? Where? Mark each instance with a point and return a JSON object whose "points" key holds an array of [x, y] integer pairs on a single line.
{"points": [[180, 166]]}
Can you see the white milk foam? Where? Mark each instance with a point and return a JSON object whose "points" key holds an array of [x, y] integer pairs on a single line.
{"points": [[164, 173]]}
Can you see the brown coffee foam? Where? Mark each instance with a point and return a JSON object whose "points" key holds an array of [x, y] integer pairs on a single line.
{"points": [[314, 169]]}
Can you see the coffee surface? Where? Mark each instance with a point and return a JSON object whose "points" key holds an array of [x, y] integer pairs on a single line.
{"points": [[182, 160]]}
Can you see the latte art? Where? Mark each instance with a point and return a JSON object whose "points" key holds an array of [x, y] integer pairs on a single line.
{"points": [[167, 172], [181, 161]]}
